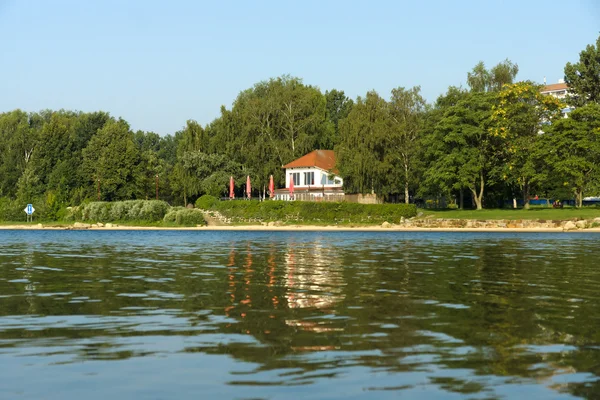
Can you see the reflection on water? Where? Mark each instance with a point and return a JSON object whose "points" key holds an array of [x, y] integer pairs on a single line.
{"points": [[294, 315]]}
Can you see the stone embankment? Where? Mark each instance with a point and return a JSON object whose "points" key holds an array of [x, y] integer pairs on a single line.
{"points": [[440, 223]]}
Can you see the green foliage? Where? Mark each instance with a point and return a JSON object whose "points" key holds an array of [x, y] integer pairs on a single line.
{"points": [[583, 77], [111, 158], [206, 202], [270, 125], [518, 119], [462, 151], [184, 216], [362, 149], [11, 210], [130, 210], [572, 147], [324, 212], [482, 80]]}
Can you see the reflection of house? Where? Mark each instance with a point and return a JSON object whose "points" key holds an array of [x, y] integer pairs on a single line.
{"points": [[313, 277], [313, 175]]}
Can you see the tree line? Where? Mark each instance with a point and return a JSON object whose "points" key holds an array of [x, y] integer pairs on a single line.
{"points": [[497, 139]]}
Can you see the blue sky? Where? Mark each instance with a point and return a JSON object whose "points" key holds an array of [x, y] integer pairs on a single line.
{"points": [[159, 63]]}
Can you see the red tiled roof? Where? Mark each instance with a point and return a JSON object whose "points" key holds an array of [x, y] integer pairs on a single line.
{"points": [[324, 159], [555, 86]]}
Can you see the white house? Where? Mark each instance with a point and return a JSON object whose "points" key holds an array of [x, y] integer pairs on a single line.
{"points": [[558, 90], [314, 176]]}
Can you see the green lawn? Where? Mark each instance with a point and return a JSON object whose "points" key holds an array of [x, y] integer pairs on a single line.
{"points": [[534, 213]]}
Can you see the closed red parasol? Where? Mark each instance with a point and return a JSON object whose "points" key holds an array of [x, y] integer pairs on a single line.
{"points": [[248, 187], [271, 187], [231, 187]]}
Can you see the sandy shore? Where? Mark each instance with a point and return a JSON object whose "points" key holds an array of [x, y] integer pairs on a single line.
{"points": [[291, 228]]}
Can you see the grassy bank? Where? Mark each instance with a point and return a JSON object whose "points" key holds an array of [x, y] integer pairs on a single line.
{"points": [[512, 214]]}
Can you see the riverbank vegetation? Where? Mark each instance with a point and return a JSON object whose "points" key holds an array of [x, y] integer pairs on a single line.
{"points": [[308, 212], [496, 140]]}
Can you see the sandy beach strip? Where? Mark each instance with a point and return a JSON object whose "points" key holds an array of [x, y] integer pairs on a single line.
{"points": [[290, 228]]}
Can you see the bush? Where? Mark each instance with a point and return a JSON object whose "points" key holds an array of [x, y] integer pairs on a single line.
{"points": [[206, 202], [171, 215], [11, 210], [130, 210], [184, 216], [190, 217], [316, 212]]}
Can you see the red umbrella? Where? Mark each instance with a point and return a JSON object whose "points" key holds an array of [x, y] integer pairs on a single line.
{"points": [[271, 187], [231, 186], [248, 187], [291, 186]]}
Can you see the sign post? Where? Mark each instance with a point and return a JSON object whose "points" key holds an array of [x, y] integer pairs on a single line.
{"points": [[29, 211]]}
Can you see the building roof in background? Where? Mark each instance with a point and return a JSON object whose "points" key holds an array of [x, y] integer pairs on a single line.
{"points": [[554, 87], [324, 159]]}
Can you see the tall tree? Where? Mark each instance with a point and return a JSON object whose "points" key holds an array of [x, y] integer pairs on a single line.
{"points": [[18, 140], [518, 120], [338, 108], [271, 124], [466, 153], [406, 110], [572, 148], [363, 143], [481, 79], [583, 77], [110, 159]]}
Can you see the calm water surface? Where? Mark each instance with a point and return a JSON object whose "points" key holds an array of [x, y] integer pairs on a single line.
{"points": [[285, 315]]}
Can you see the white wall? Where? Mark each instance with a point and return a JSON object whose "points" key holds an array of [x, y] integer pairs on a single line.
{"points": [[319, 173]]}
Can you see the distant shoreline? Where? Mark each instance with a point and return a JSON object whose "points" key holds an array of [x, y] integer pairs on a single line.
{"points": [[290, 228]]}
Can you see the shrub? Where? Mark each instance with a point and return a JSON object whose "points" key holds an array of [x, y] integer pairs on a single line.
{"points": [[184, 216], [190, 217], [171, 215], [153, 210], [11, 210], [327, 212], [130, 210], [206, 202]]}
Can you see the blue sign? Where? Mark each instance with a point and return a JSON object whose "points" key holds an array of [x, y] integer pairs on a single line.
{"points": [[29, 209]]}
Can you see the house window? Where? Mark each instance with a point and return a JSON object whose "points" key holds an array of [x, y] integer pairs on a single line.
{"points": [[309, 178], [296, 178], [325, 180]]}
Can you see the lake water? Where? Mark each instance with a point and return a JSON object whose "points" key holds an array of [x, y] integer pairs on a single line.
{"points": [[289, 315]]}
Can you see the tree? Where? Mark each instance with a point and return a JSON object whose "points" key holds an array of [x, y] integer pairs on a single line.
{"points": [[18, 139], [338, 108], [479, 79], [212, 172], [271, 124], [482, 80], [110, 158], [583, 77], [192, 138], [518, 120], [364, 138], [572, 147], [503, 73], [52, 160], [464, 153], [406, 110]]}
